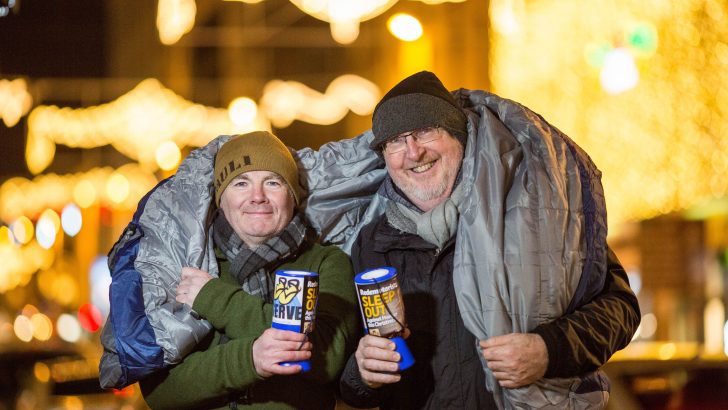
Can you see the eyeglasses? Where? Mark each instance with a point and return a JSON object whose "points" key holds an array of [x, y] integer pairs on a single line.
{"points": [[420, 137]]}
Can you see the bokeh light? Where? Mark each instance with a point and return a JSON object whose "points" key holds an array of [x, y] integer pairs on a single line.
{"points": [[134, 124], [6, 332], [174, 19], [65, 289], [73, 403], [89, 317], [84, 193], [642, 37], [713, 320], [71, 220], [29, 310], [6, 328], [168, 155], [648, 325], [68, 328], [23, 328], [286, 101], [242, 111], [404, 27], [46, 228], [635, 281], [100, 280], [619, 73], [669, 52], [15, 100], [22, 230], [117, 188], [596, 53], [42, 326], [42, 372], [6, 236], [667, 351]]}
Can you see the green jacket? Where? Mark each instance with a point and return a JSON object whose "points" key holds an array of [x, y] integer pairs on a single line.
{"points": [[218, 373]]}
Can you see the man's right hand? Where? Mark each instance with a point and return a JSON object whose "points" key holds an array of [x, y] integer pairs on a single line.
{"points": [[275, 346], [377, 360]]}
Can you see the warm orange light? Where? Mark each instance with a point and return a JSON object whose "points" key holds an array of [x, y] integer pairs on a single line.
{"points": [[23, 328], [404, 27], [42, 327], [84, 193], [168, 155], [117, 188], [41, 372]]}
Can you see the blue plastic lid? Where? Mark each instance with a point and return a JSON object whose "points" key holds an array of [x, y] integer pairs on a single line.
{"points": [[377, 275], [296, 273]]}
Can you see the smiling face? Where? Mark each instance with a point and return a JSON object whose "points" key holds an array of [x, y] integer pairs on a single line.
{"points": [[426, 173], [258, 205]]}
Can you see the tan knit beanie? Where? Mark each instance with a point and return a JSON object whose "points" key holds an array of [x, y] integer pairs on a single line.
{"points": [[255, 151]]}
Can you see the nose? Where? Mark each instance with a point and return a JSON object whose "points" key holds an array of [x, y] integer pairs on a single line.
{"points": [[257, 194], [414, 150]]}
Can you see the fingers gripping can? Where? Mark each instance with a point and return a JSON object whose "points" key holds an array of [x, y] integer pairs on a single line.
{"points": [[295, 297], [382, 308]]}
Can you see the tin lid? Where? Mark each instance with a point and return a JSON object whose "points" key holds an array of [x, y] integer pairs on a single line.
{"points": [[296, 273], [377, 275]]}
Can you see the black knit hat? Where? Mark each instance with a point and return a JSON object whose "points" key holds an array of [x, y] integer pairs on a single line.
{"points": [[419, 101]]}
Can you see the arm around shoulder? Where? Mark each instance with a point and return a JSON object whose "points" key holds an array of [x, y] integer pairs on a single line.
{"points": [[230, 310]]}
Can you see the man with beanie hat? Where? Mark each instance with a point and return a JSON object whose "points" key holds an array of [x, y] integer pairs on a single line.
{"points": [[421, 132], [257, 231]]}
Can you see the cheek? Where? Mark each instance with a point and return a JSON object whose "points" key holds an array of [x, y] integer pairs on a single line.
{"points": [[395, 170], [285, 206]]}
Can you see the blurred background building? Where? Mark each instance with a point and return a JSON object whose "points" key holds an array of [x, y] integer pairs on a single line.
{"points": [[100, 100]]}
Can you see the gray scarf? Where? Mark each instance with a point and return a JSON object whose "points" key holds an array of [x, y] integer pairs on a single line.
{"points": [[252, 266], [436, 226]]}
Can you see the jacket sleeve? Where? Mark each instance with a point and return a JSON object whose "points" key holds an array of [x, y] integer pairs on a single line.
{"points": [[354, 391], [228, 367], [232, 311], [203, 377], [585, 339]]}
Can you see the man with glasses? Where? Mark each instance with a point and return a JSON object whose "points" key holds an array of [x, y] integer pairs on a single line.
{"points": [[422, 131]]}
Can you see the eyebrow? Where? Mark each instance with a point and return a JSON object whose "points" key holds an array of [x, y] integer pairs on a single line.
{"points": [[273, 176]]}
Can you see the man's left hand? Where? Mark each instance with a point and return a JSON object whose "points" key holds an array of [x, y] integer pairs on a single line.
{"points": [[516, 359], [191, 281]]}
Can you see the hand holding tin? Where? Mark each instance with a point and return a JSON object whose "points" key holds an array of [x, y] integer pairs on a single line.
{"points": [[278, 346], [382, 309], [378, 361], [295, 298]]}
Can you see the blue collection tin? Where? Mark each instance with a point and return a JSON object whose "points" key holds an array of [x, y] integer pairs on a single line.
{"points": [[295, 297], [382, 308]]}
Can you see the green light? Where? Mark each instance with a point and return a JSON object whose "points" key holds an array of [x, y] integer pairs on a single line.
{"points": [[643, 38], [595, 53]]}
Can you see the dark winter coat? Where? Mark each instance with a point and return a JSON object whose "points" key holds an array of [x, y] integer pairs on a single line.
{"points": [[448, 372]]}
